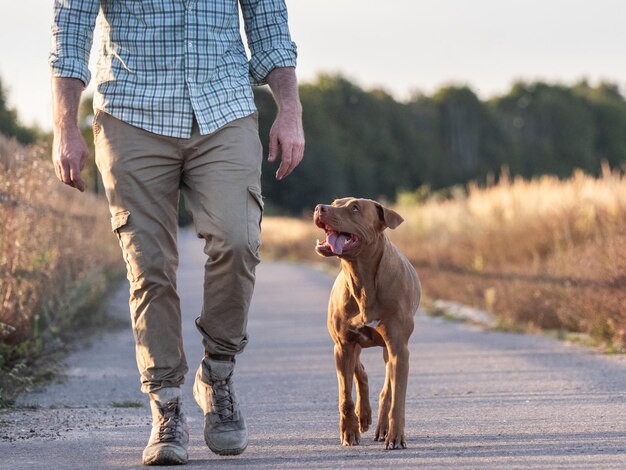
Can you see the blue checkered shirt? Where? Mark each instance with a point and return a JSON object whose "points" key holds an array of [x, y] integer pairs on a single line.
{"points": [[163, 61]]}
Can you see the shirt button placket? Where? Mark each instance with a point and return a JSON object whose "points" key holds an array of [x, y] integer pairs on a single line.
{"points": [[190, 66], [188, 47]]}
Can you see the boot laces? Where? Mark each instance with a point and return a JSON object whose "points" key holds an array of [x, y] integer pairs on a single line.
{"points": [[169, 426], [223, 401]]}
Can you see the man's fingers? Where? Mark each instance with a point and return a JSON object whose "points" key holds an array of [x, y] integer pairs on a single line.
{"points": [[285, 161], [77, 181], [69, 157], [66, 174], [291, 156], [286, 137], [273, 147], [296, 153], [57, 170], [294, 160]]}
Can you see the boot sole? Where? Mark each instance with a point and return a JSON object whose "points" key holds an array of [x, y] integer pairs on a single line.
{"points": [[166, 457], [221, 451], [217, 451], [225, 452]]}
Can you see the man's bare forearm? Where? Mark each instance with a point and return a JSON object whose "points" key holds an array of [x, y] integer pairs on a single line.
{"points": [[284, 86], [65, 101]]}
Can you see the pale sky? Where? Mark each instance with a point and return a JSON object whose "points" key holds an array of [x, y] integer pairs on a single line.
{"points": [[399, 45]]}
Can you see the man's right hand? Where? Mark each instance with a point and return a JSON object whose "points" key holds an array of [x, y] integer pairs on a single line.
{"points": [[69, 154], [69, 151]]}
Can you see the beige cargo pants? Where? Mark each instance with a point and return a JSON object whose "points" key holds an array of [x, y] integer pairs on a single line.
{"points": [[219, 178]]}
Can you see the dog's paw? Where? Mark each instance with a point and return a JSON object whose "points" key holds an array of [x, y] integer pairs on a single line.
{"points": [[365, 419], [350, 438], [350, 433], [395, 440], [382, 428]]}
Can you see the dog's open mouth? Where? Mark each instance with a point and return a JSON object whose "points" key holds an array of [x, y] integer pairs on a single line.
{"points": [[336, 242]]}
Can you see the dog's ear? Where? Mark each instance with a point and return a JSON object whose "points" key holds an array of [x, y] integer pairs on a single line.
{"points": [[388, 217]]}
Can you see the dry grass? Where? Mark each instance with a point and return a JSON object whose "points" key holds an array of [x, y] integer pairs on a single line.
{"points": [[543, 253], [56, 250], [290, 239]]}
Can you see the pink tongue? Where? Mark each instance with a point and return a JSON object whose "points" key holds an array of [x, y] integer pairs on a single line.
{"points": [[336, 242]]}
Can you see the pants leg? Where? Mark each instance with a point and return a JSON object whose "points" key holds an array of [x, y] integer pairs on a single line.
{"points": [[221, 186], [141, 172]]}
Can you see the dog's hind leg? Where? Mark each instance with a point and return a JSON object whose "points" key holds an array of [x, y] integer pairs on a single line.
{"points": [[384, 403], [363, 409], [345, 360]]}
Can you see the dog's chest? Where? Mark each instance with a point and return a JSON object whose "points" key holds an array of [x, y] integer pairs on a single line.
{"points": [[363, 313], [362, 333], [371, 324]]}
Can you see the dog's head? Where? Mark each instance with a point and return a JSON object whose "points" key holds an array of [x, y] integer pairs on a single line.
{"points": [[352, 225]]}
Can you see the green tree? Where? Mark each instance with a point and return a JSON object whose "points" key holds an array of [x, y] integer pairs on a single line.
{"points": [[469, 135], [551, 128], [608, 109], [10, 125]]}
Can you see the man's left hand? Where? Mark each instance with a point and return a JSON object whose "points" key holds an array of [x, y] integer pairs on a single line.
{"points": [[287, 137], [287, 134]]}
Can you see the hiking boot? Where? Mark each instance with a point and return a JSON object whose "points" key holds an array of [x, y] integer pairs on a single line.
{"points": [[170, 435], [225, 429]]}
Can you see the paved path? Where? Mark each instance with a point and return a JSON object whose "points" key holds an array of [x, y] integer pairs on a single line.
{"points": [[475, 400]]}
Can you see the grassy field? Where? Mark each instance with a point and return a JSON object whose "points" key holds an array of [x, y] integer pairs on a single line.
{"points": [[57, 255], [545, 253]]}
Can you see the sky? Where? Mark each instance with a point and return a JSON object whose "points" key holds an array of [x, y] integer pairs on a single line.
{"points": [[402, 46]]}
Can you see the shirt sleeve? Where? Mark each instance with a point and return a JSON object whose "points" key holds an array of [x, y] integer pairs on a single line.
{"points": [[72, 36], [268, 37]]}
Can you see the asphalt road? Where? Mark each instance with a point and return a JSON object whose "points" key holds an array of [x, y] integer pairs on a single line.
{"points": [[476, 399]]}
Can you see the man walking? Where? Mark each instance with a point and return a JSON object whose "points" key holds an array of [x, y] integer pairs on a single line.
{"points": [[175, 114]]}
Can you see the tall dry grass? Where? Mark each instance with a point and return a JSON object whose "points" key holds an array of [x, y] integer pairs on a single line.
{"points": [[544, 253], [56, 250], [288, 238]]}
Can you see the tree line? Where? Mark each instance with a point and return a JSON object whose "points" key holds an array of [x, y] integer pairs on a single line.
{"points": [[10, 124], [366, 143]]}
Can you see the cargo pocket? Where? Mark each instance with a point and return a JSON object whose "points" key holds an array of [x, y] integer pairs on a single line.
{"points": [[128, 243], [255, 215]]}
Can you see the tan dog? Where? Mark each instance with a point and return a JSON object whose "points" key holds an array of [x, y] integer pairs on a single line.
{"points": [[372, 303]]}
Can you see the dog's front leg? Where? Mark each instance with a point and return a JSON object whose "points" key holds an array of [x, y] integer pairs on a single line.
{"points": [[398, 371], [384, 402], [345, 360], [363, 409]]}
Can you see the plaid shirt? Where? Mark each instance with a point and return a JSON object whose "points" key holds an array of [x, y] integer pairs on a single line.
{"points": [[163, 61]]}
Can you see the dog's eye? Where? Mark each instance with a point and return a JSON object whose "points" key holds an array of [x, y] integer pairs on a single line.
{"points": [[355, 208]]}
